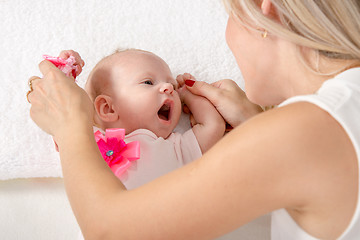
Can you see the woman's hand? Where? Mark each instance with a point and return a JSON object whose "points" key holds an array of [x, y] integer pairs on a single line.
{"points": [[181, 78], [228, 99], [79, 63], [58, 105]]}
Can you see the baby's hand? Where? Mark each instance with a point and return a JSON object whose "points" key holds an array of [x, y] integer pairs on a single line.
{"points": [[181, 78], [79, 63]]}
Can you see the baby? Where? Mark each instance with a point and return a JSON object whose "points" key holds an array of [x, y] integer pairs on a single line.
{"points": [[135, 90]]}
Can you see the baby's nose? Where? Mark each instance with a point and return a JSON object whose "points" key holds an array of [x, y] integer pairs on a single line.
{"points": [[167, 88]]}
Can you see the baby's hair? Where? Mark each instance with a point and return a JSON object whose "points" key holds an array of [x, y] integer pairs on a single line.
{"points": [[121, 50], [97, 85]]}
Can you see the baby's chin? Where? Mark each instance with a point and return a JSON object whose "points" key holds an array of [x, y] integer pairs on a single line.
{"points": [[163, 134], [165, 130]]}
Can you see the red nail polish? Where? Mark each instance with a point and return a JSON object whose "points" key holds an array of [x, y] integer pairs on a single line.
{"points": [[189, 82]]}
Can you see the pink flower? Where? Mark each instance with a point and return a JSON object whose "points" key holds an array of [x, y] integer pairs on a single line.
{"points": [[111, 150], [65, 65], [116, 153]]}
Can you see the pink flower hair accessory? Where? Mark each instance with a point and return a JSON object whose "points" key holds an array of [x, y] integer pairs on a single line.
{"points": [[116, 153], [65, 65]]}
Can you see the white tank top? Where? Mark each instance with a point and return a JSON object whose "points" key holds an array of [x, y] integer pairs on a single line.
{"points": [[340, 97]]}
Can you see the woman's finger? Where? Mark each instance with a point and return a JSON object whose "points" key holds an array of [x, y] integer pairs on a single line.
{"points": [[32, 85], [32, 82], [204, 89], [46, 66]]}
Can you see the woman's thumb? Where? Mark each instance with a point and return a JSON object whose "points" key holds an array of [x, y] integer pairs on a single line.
{"points": [[203, 89]]}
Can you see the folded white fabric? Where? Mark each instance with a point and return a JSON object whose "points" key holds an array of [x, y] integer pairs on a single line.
{"points": [[188, 35]]}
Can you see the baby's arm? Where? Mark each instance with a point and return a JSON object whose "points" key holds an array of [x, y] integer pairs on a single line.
{"points": [[209, 125]]}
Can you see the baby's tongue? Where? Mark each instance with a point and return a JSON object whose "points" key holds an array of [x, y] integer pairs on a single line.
{"points": [[162, 117], [164, 113]]}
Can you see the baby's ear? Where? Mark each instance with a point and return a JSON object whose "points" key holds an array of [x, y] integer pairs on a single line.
{"points": [[104, 108]]}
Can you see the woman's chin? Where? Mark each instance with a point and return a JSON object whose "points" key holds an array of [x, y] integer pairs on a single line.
{"points": [[262, 99]]}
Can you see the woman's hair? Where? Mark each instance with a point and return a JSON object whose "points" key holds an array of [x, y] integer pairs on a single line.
{"points": [[332, 28]]}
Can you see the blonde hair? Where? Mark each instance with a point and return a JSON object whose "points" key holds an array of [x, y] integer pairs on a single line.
{"points": [[331, 28]]}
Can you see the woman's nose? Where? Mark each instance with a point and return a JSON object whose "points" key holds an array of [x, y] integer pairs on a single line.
{"points": [[167, 88]]}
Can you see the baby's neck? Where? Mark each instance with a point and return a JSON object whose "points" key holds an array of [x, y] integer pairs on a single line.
{"points": [[103, 129]]}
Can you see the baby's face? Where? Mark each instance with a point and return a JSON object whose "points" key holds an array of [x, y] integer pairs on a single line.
{"points": [[144, 93]]}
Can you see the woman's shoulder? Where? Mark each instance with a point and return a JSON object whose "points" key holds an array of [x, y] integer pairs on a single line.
{"points": [[320, 157], [296, 127], [303, 128], [300, 139], [274, 157]]}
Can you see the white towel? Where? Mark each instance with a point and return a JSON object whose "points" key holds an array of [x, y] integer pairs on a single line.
{"points": [[188, 34]]}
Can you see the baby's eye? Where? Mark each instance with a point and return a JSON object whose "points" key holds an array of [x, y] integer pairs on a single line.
{"points": [[149, 82]]}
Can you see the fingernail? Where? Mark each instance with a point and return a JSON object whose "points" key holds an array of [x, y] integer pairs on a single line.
{"points": [[189, 83], [228, 128]]}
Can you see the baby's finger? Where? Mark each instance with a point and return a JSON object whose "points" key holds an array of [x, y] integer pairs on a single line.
{"points": [[78, 70], [65, 54], [192, 120], [180, 80], [186, 109], [188, 76], [78, 59]]}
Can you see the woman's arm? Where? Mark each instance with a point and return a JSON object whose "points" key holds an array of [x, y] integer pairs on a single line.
{"points": [[231, 184], [273, 160], [265, 164], [257, 168], [64, 110]]}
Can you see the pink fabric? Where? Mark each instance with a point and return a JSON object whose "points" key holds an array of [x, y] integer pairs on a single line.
{"points": [[116, 153], [65, 65], [159, 156]]}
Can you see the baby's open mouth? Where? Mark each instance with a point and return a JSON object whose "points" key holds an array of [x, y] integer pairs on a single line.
{"points": [[164, 112]]}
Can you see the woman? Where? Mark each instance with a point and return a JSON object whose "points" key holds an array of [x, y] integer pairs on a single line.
{"points": [[298, 161]]}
